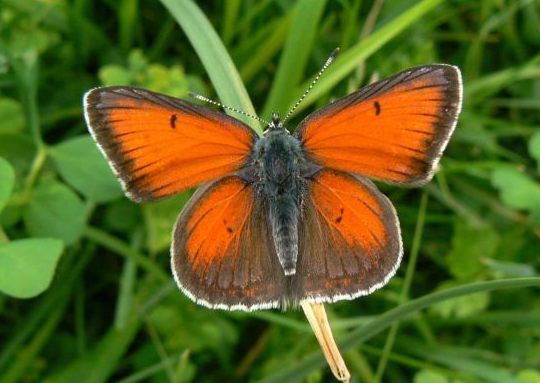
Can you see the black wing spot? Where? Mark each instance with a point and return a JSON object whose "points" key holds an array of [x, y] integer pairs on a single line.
{"points": [[377, 108], [230, 230], [173, 121], [340, 217]]}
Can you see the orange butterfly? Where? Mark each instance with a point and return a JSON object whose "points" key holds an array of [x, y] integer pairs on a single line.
{"points": [[282, 218]]}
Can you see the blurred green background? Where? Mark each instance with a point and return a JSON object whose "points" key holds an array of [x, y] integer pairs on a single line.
{"points": [[86, 290]]}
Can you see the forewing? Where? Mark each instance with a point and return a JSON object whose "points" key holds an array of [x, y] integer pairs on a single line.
{"points": [[222, 254], [159, 145], [394, 130], [350, 239]]}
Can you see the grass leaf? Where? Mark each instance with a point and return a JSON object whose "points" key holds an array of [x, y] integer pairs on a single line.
{"points": [[349, 60], [214, 57], [314, 361], [293, 61]]}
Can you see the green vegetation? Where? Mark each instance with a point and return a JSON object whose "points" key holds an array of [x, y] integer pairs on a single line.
{"points": [[86, 293]]}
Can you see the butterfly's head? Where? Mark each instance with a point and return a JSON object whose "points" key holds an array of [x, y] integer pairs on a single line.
{"points": [[276, 122]]}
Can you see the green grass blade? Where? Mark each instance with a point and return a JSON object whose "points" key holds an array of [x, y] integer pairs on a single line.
{"points": [[126, 294], [411, 267], [518, 318], [104, 357], [466, 360], [277, 319], [230, 19], [214, 57], [112, 243], [39, 325], [100, 362], [127, 23], [245, 26], [315, 360], [349, 60], [298, 48], [267, 50], [477, 91], [23, 361], [148, 373]]}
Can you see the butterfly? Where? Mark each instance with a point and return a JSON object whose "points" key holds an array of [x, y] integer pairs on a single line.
{"points": [[287, 217]]}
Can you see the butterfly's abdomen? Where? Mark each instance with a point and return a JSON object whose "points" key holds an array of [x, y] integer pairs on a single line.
{"points": [[284, 221], [280, 184]]}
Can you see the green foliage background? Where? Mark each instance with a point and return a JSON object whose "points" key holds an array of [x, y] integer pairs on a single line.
{"points": [[86, 291]]}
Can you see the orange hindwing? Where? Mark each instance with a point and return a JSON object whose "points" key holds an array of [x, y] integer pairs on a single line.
{"points": [[350, 239], [222, 251]]}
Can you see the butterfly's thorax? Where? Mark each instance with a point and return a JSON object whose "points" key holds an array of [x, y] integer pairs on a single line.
{"points": [[278, 162], [278, 155]]}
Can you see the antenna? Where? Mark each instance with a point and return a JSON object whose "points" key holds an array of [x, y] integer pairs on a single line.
{"points": [[210, 101], [326, 65]]}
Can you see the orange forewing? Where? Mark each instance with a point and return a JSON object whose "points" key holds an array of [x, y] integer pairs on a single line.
{"points": [[160, 145], [222, 252], [394, 130], [350, 239]]}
